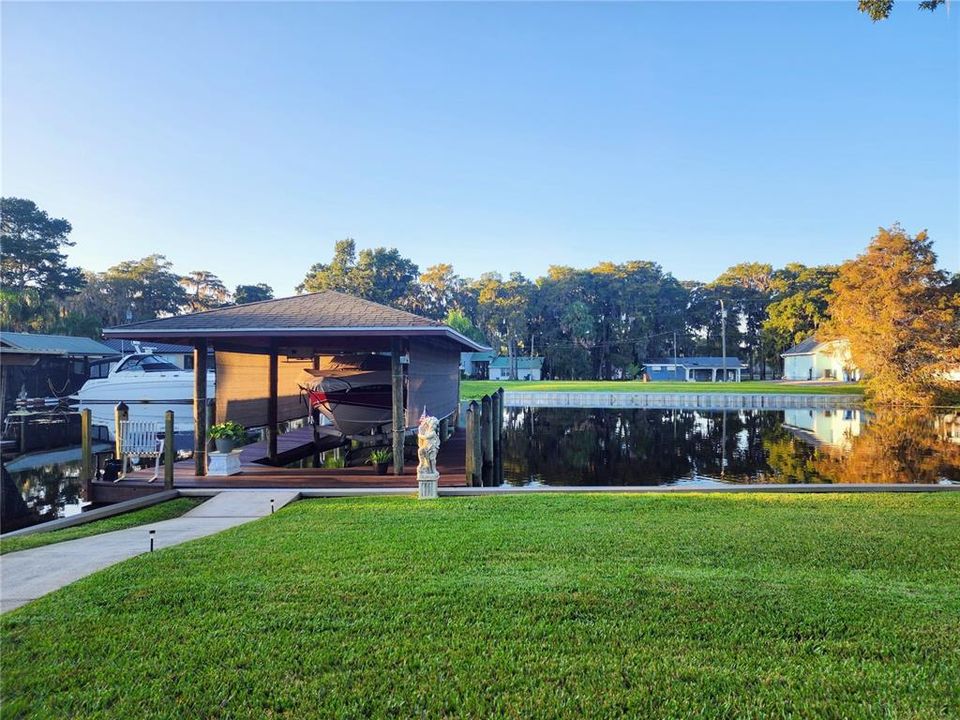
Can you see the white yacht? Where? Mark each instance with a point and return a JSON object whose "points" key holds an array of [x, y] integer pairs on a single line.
{"points": [[149, 386]]}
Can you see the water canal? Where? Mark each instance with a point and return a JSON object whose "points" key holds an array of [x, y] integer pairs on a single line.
{"points": [[704, 447], [692, 447]]}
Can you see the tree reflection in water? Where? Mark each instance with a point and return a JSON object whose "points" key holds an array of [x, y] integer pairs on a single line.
{"points": [[562, 446], [48, 490]]}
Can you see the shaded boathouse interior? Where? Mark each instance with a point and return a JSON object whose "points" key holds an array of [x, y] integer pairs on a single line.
{"points": [[263, 350]]}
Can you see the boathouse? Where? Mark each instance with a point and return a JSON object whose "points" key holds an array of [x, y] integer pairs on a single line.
{"points": [[262, 349], [44, 366]]}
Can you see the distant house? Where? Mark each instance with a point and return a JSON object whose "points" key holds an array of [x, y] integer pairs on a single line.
{"points": [[528, 368], [815, 360], [476, 365], [694, 369], [44, 366]]}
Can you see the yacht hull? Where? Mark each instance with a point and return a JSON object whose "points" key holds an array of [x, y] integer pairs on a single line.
{"points": [[147, 398]]}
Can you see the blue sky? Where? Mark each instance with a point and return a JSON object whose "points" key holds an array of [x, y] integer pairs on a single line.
{"points": [[247, 138]]}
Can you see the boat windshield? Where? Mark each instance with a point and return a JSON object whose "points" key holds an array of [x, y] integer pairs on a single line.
{"points": [[147, 363]]}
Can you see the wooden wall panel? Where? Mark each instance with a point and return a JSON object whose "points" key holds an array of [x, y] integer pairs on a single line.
{"points": [[242, 388], [433, 379]]}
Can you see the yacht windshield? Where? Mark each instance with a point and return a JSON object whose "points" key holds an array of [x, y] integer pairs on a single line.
{"points": [[147, 363]]}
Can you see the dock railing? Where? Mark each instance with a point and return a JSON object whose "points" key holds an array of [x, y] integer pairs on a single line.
{"points": [[133, 439]]}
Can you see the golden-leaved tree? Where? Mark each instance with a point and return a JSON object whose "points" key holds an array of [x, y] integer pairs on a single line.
{"points": [[901, 315]]}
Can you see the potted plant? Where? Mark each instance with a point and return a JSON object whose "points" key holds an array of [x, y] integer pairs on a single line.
{"points": [[332, 462], [227, 435], [380, 459]]}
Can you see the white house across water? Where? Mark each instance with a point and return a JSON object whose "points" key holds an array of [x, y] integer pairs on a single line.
{"points": [[815, 360], [528, 368]]}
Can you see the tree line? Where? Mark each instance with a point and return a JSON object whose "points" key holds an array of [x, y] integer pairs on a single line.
{"points": [[901, 314], [39, 292]]}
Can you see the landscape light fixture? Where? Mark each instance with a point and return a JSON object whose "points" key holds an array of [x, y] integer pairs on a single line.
{"points": [[151, 533]]}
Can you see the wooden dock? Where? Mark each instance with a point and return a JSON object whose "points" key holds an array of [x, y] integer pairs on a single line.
{"points": [[292, 446]]}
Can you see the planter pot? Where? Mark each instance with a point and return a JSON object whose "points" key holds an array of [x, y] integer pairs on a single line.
{"points": [[225, 445], [381, 468]]}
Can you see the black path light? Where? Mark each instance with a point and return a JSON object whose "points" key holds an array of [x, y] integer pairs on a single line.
{"points": [[151, 533], [271, 506]]}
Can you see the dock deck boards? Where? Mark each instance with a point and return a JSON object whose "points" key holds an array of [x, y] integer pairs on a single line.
{"points": [[290, 446]]}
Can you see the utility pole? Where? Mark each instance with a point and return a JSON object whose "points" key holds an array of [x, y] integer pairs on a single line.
{"points": [[723, 339], [674, 354]]}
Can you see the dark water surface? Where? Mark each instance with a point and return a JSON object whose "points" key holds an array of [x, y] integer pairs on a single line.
{"points": [[699, 448], [567, 446], [46, 492]]}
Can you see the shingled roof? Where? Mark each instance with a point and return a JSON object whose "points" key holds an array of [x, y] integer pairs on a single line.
{"points": [[804, 347], [317, 314]]}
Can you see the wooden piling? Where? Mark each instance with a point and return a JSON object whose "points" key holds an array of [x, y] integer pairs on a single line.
{"points": [[272, 402], [498, 437], [315, 417], [211, 421], [86, 452], [169, 450], [121, 413], [486, 439], [399, 415], [200, 407], [474, 458]]}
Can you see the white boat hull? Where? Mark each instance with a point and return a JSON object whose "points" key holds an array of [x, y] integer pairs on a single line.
{"points": [[147, 396]]}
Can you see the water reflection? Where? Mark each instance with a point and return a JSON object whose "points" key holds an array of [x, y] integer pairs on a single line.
{"points": [[564, 446], [40, 493]]}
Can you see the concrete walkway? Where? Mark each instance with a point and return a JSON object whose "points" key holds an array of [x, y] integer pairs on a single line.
{"points": [[29, 574]]}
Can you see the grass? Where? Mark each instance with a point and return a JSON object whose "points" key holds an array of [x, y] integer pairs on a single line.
{"points": [[154, 513], [472, 389], [560, 606]]}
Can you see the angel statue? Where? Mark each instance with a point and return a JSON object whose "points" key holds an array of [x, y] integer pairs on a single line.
{"points": [[428, 444]]}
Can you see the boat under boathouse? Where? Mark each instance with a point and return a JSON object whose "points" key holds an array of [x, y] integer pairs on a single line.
{"points": [[265, 352]]}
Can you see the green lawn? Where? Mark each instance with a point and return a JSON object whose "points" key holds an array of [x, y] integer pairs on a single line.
{"points": [[560, 606], [470, 389], [154, 513]]}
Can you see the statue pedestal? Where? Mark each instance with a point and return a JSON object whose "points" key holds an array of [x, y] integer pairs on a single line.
{"points": [[427, 482], [224, 463]]}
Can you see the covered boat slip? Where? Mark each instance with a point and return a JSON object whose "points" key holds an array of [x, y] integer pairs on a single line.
{"points": [[265, 352]]}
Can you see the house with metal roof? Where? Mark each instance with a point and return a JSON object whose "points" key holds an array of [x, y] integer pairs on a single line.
{"points": [[698, 368], [64, 345], [813, 359], [528, 368], [262, 350], [37, 366]]}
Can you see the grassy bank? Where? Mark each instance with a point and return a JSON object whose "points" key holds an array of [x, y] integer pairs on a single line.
{"points": [[154, 513], [517, 606], [470, 389]]}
